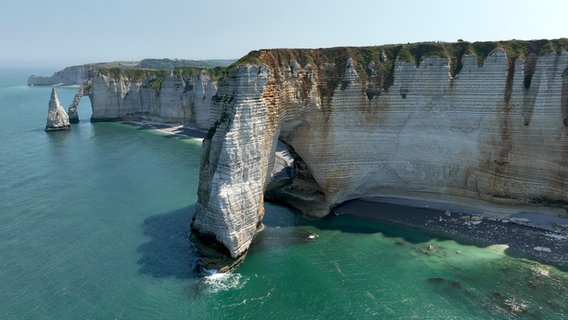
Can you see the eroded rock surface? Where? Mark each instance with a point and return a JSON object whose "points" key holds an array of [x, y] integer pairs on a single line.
{"points": [[234, 166], [492, 130], [57, 118], [172, 98], [84, 90]]}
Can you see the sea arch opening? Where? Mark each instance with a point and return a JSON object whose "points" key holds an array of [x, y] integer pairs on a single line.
{"points": [[292, 182], [83, 90]]}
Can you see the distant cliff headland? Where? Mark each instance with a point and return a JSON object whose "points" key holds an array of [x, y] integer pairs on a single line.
{"points": [[475, 124], [165, 90], [76, 75]]}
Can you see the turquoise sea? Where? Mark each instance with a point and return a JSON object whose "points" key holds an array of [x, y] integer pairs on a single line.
{"points": [[94, 224]]}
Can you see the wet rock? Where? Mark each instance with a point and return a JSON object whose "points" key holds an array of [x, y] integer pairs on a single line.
{"points": [[436, 280], [540, 271], [445, 282], [400, 243], [556, 236], [307, 236], [516, 306], [472, 223], [212, 255], [476, 218]]}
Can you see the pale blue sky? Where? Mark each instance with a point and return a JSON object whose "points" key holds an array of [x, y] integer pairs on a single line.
{"points": [[59, 33]]}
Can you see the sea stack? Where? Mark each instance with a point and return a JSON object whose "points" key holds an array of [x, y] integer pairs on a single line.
{"points": [[57, 118]]}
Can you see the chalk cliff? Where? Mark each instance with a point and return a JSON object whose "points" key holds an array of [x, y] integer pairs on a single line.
{"points": [[57, 118], [176, 96], [479, 121], [70, 76], [76, 75], [84, 89]]}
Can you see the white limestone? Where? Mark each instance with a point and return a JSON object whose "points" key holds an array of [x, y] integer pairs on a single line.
{"points": [[203, 90], [234, 166], [83, 90], [482, 136], [70, 76], [57, 118], [179, 99]]}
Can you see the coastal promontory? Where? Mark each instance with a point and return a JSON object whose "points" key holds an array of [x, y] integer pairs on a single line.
{"points": [[479, 125], [465, 123]]}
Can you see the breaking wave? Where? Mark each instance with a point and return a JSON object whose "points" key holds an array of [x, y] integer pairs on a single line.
{"points": [[218, 282]]}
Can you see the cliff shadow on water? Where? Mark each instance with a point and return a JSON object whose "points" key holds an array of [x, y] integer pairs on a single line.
{"points": [[168, 252], [285, 226]]}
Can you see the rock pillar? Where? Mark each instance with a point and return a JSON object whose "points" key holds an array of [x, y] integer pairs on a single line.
{"points": [[57, 118]]}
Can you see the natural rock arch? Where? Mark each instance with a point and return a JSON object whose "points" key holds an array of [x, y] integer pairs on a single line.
{"points": [[445, 137], [85, 89]]}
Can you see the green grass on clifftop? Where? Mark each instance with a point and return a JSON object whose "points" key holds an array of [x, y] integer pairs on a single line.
{"points": [[155, 77], [382, 59], [384, 56]]}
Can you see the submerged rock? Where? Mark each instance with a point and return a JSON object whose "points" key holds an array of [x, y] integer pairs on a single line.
{"points": [[542, 249], [57, 118], [516, 306]]}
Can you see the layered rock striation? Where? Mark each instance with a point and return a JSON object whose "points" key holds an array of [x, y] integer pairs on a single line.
{"points": [[84, 89], [176, 96], [235, 159], [460, 122]]}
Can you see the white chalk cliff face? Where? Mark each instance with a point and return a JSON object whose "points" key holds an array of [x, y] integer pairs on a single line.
{"points": [[176, 99], [496, 132], [84, 89], [57, 118], [69, 76], [235, 160]]}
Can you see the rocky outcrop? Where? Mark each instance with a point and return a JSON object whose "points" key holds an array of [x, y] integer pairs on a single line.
{"points": [[57, 118], [458, 122], [235, 160], [70, 76], [178, 96], [84, 90], [173, 97]]}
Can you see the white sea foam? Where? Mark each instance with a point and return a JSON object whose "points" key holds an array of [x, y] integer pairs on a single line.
{"points": [[224, 281]]}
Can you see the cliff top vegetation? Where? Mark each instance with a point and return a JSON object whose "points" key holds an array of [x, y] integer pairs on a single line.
{"points": [[174, 63], [384, 56], [157, 69], [163, 64], [155, 77]]}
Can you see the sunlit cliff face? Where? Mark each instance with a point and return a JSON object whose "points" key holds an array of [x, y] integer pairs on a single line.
{"points": [[493, 132]]}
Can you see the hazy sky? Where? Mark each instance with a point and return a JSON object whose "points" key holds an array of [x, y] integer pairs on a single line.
{"points": [[59, 33]]}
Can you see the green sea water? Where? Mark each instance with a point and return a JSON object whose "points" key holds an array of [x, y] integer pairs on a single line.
{"points": [[94, 224]]}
